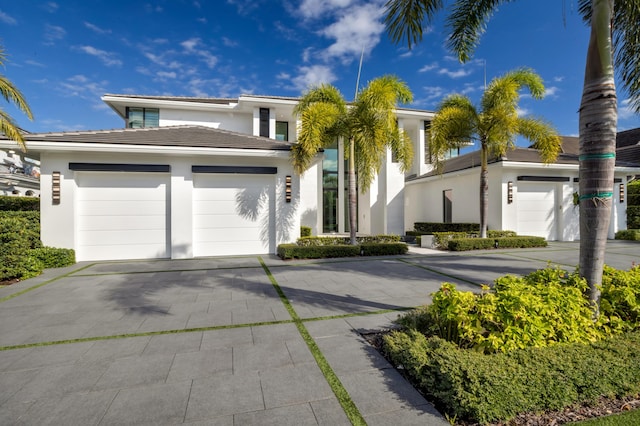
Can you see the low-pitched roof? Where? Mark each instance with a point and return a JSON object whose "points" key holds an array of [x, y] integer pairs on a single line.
{"points": [[177, 136], [628, 138]]}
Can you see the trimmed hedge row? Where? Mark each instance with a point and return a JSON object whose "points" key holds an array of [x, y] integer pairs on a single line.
{"points": [[633, 205], [431, 227], [464, 244], [491, 388], [338, 240], [9, 203], [441, 239], [628, 234], [294, 251]]}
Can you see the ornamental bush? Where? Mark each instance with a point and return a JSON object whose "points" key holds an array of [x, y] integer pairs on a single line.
{"points": [[433, 227], [9, 203]]}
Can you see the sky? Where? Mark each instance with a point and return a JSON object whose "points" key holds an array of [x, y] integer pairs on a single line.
{"points": [[64, 55]]}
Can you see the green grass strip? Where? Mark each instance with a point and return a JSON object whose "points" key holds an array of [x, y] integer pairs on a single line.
{"points": [[146, 333], [26, 290], [349, 407], [629, 418], [444, 274]]}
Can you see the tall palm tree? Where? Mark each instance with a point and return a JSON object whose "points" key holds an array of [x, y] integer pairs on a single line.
{"points": [[368, 127], [614, 43], [11, 94], [494, 125]]}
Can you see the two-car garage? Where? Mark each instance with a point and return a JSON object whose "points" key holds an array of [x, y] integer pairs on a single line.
{"points": [[128, 215]]}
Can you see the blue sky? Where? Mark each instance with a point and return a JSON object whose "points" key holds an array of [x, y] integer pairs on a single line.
{"points": [[64, 55]]}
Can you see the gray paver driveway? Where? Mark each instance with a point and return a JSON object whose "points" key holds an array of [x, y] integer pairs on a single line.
{"points": [[229, 341]]}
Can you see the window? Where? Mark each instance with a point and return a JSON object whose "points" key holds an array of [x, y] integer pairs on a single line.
{"points": [[264, 122], [137, 118], [427, 136], [282, 130], [330, 189]]}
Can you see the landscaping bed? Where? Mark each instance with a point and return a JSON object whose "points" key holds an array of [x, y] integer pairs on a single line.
{"points": [[330, 247], [526, 351]]}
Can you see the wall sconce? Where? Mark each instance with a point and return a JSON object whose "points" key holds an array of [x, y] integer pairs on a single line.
{"points": [[622, 192], [287, 191], [509, 192], [55, 188]]}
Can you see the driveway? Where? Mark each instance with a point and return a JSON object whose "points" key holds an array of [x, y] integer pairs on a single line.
{"points": [[230, 341]]}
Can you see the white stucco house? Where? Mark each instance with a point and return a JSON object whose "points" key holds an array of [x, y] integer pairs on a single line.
{"points": [[191, 177], [19, 173], [525, 195]]}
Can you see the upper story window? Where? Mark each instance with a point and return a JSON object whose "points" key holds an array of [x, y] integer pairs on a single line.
{"points": [[264, 122], [282, 130], [427, 136], [137, 118]]}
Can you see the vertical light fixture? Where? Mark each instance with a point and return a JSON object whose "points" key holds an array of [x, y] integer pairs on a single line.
{"points": [[622, 192], [287, 191], [509, 192], [55, 188]]}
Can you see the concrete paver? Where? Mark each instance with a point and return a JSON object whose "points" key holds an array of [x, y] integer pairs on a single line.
{"points": [[209, 341]]}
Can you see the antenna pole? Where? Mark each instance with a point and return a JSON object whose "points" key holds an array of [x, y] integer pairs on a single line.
{"points": [[359, 70]]}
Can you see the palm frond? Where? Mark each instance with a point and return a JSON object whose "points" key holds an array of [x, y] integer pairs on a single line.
{"points": [[467, 22], [11, 130], [543, 136], [455, 124], [626, 42], [405, 19], [12, 95], [316, 130], [325, 93]]}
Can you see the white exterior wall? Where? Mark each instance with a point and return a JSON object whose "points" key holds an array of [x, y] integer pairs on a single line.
{"points": [[58, 222], [394, 206], [233, 121]]}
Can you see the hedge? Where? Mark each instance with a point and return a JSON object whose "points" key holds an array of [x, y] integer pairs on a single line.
{"points": [[633, 217], [9, 203], [633, 205], [305, 231], [464, 244], [494, 388], [52, 257], [383, 249], [339, 240], [628, 234], [294, 251], [431, 227], [441, 239]]}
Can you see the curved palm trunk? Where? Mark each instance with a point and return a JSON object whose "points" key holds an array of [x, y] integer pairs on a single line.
{"points": [[353, 195], [598, 122], [484, 190]]}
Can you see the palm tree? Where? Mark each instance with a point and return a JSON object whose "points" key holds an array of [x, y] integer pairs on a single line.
{"points": [[368, 127], [12, 95], [495, 126], [614, 42]]}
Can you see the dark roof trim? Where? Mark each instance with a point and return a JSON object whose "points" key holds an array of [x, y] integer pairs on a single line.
{"points": [[245, 170], [615, 180], [544, 179], [112, 167]]}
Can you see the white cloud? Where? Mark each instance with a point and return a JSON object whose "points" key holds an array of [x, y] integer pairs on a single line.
{"points": [[96, 29], [558, 79], [106, 57], [202, 20], [522, 111], [34, 63], [433, 93], [9, 20], [310, 9], [191, 47], [454, 74], [312, 75], [228, 42], [82, 87], [165, 74], [429, 67], [625, 111], [357, 28], [551, 92], [51, 7], [53, 33]]}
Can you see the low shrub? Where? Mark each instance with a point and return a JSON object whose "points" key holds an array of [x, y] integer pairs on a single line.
{"points": [[628, 234], [383, 249], [338, 240], [52, 257], [464, 244], [441, 239], [433, 227], [494, 388], [620, 299], [9, 203], [294, 251], [633, 217], [305, 231], [17, 239]]}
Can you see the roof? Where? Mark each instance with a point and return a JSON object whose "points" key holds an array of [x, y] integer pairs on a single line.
{"points": [[177, 136], [628, 138]]}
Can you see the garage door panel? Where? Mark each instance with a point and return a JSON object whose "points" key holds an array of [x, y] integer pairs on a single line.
{"points": [[232, 214], [122, 216], [536, 206]]}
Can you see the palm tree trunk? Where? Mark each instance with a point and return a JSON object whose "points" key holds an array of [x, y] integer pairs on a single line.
{"points": [[484, 190], [353, 194], [598, 122]]}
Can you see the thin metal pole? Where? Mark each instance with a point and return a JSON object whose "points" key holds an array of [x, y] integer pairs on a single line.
{"points": [[359, 71]]}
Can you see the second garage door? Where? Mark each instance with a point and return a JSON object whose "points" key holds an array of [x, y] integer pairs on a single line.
{"points": [[233, 214], [536, 203]]}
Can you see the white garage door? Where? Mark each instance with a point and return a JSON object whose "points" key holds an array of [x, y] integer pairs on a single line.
{"points": [[536, 203], [233, 214], [122, 216]]}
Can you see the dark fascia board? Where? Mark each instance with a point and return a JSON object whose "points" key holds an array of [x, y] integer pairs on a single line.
{"points": [[113, 167], [245, 170], [544, 179], [615, 180]]}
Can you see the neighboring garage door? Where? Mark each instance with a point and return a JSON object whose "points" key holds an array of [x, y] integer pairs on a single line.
{"points": [[233, 214], [536, 203], [122, 216]]}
